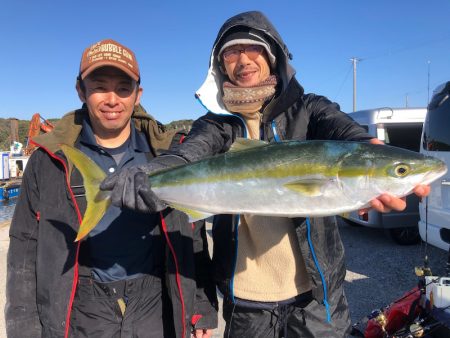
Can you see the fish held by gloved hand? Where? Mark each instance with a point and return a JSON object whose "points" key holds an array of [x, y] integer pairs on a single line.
{"points": [[290, 179]]}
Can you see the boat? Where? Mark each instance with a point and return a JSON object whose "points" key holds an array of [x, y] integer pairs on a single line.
{"points": [[14, 161], [11, 171], [9, 189]]}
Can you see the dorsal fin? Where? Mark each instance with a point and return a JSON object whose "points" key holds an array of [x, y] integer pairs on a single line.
{"points": [[244, 143]]}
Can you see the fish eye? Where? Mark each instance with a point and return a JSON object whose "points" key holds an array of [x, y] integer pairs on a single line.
{"points": [[401, 170]]}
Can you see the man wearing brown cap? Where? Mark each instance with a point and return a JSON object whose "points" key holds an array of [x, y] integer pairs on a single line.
{"points": [[280, 277], [137, 274]]}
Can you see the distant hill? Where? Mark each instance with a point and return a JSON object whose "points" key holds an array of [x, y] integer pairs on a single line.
{"points": [[23, 126], [5, 133], [180, 124]]}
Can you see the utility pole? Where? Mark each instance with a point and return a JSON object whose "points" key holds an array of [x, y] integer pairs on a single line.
{"points": [[354, 61], [14, 130], [428, 101], [406, 103]]}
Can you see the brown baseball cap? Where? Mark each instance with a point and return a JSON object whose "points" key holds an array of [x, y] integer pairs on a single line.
{"points": [[109, 53]]}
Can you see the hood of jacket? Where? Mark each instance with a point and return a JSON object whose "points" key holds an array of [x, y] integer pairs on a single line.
{"points": [[210, 92], [69, 127]]}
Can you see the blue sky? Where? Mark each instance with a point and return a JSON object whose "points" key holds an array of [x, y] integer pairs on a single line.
{"points": [[42, 41]]}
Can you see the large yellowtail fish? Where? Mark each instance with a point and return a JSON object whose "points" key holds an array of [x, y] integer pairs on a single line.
{"points": [[292, 178]]}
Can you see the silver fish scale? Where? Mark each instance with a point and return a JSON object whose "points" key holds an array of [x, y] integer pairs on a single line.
{"points": [[241, 186]]}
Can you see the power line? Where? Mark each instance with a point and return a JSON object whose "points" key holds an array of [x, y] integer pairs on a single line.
{"points": [[343, 82], [403, 49]]}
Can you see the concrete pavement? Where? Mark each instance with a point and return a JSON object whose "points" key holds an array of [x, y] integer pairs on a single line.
{"points": [[4, 243]]}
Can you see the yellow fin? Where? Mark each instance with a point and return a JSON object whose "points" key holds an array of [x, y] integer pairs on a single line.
{"points": [[122, 306], [244, 143], [97, 201], [193, 215], [308, 187]]}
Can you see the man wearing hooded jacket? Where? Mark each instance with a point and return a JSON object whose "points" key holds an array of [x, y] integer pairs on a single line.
{"points": [[136, 274], [280, 277]]}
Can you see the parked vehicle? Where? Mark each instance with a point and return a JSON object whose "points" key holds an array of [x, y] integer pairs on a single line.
{"points": [[435, 209], [400, 127]]}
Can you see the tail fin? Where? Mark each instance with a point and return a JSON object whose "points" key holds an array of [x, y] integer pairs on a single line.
{"points": [[97, 201]]}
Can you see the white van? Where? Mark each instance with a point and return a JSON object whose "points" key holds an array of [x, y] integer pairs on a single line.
{"points": [[400, 127], [434, 224]]}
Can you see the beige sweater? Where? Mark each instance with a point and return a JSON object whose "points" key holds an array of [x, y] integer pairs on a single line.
{"points": [[270, 266]]}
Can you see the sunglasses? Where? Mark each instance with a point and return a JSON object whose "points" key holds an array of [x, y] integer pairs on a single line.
{"points": [[252, 51]]}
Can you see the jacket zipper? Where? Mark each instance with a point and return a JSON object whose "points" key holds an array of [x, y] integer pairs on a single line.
{"points": [[180, 291], [77, 210], [316, 262], [236, 243]]}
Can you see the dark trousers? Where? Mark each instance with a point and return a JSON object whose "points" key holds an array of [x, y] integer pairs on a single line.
{"points": [[129, 308], [298, 319]]}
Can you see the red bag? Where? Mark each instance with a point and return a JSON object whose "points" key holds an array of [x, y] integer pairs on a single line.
{"points": [[398, 315]]}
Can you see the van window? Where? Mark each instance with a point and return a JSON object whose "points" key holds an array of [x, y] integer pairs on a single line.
{"points": [[436, 135], [402, 135]]}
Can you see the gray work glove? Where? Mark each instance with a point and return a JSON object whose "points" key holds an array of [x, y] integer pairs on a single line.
{"points": [[130, 188]]}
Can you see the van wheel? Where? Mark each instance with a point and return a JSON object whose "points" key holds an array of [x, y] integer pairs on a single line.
{"points": [[405, 236]]}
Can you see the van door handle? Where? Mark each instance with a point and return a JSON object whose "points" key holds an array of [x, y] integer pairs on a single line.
{"points": [[445, 182]]}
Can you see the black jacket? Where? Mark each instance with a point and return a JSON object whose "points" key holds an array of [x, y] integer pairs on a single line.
{"points": [[290, 115], [42, 260]]}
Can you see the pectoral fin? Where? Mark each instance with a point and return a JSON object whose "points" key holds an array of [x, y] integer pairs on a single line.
{"points": [[193, 215], [307, 187]]}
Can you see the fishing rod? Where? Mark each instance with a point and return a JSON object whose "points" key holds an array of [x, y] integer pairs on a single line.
{"points": [[418, 329]]}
